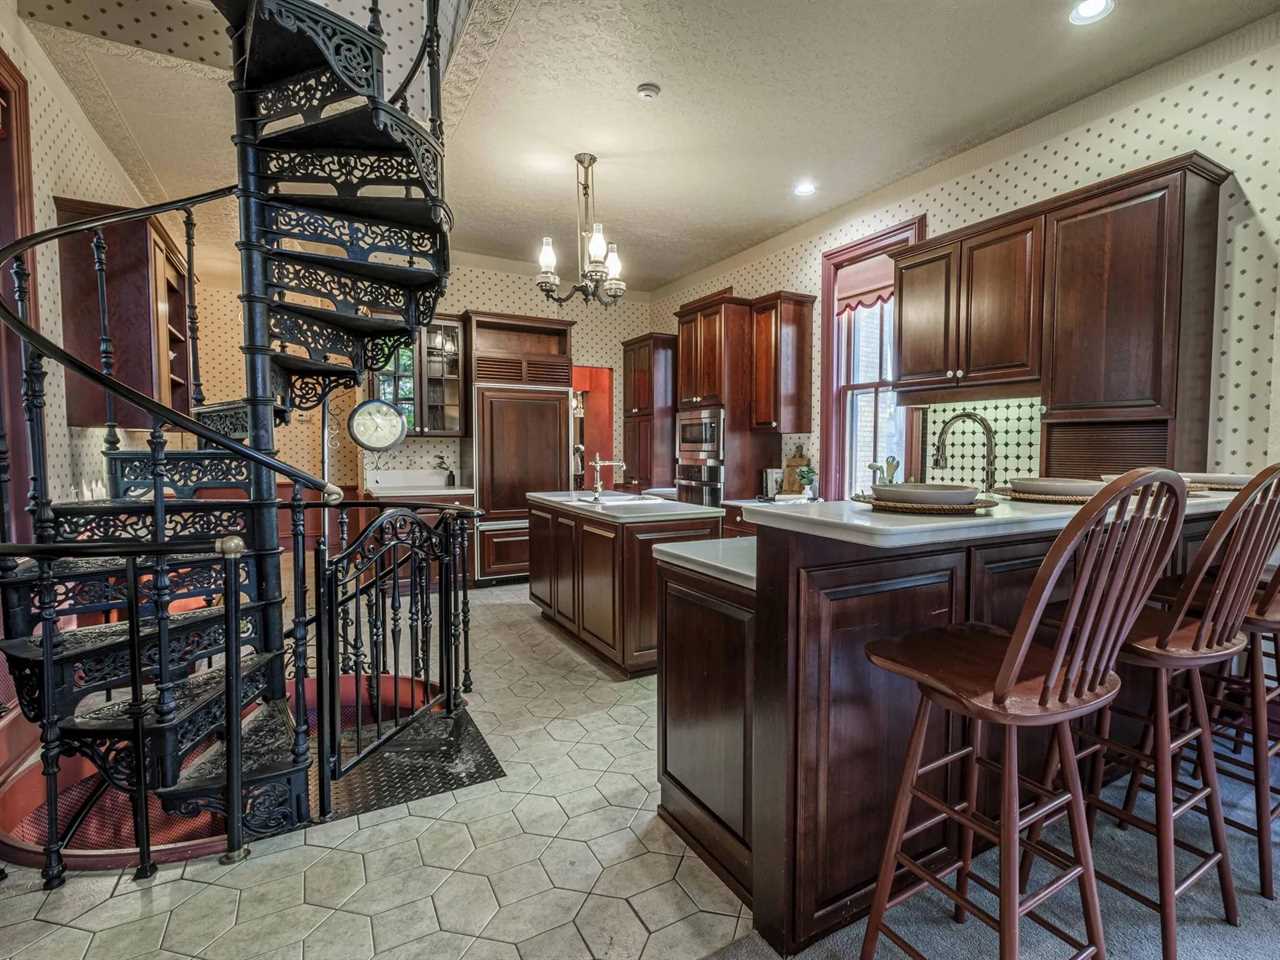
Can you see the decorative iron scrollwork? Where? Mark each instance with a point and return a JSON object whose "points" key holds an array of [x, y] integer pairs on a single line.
{"points": [[308, 392], [320, 340], [348, 173], [406, 132], [346, 292], [129, 474], [359, 238], [307, 95], [123, 524], [380, 351], [229, 419], [352, 53]]}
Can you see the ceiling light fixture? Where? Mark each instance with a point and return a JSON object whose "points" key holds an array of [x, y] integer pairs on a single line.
{"points": [[1091, 11], [804, 188], [599, 265], [648, 91]]}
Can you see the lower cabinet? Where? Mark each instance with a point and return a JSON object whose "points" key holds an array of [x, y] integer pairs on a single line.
{"points": [[502, 551], [706, 634], [598, 579]]}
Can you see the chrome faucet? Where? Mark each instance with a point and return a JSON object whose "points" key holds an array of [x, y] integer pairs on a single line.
{"points": [[596, 464], [940, 448]]}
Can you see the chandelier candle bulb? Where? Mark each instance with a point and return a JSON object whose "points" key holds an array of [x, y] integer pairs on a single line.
{"points": [[613, 263], [547, 256]]}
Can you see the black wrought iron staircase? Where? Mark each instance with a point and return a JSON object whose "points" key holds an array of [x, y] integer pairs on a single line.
{"points": [[200, 684]]}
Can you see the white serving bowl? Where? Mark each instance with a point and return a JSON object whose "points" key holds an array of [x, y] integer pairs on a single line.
{"points": [[1055, 486], [948, 493]]}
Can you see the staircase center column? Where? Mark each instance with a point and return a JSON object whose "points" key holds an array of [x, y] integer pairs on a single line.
{"points": [[259, 394]]}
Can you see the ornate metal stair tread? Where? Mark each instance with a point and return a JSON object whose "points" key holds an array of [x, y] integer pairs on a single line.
{"points": [[79, 641], [190, 694], [356, 323], [305, 366], [410, 278], [70, 568], [278, 53], [351, 130], [266, 747], [397, 211]]}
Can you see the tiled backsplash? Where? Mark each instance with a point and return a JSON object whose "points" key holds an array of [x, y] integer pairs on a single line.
{"points": [[1016, 424]]}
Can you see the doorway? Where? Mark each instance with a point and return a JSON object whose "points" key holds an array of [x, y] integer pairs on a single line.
{"points": [[592, 423]]}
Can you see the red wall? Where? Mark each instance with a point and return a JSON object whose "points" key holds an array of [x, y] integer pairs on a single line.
{"points": [[599, 427]]}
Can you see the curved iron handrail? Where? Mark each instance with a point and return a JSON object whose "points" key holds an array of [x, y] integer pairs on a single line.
{"points": [[380, 504], [390, 519], [152, 406]]}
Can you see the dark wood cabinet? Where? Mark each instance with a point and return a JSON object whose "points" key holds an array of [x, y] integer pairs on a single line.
{"points": [[706, 634], [781, 362], [708, 332], [648, 424], [735, 525], [522, 444], [999, 303], [502, 551], [147, 310], [926, 285], [509, 348], [1122, 243], [598, 579]]}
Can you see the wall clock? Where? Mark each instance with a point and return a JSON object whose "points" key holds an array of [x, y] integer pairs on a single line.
{"points": [[377, 425]]}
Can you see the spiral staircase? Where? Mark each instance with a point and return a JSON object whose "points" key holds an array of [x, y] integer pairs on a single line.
{"points": [[200, 613]]}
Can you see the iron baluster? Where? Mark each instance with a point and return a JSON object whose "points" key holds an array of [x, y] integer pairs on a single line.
{"points": [[301, 728], [106, 348], [358, 656], [166, 703], [327, 704], [33, 376], [396, 560], [54, 869], [375, 18], [138, 711], [455, 640], [343, 523], [232, 549], [446, 625], [465, 576], [415, 624], [193, 321], [8, 603]]}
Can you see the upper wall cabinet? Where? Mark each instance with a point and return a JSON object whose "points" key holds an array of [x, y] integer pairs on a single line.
{"points": [[703, 353], [969, 309], [781, 398], [507, 348]]}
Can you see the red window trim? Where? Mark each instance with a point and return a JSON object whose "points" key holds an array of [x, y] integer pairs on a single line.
{"points": [[831, 466]]}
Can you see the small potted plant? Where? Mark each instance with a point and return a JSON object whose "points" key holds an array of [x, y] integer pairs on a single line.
{"points": [[808, 477]]}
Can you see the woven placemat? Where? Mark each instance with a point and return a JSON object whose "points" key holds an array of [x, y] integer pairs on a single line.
{"points": [[1045, 498], [931, 509]]}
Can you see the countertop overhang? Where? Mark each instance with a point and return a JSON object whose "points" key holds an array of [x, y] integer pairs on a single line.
{"points": [[732, 560], [622, 507], [857, 523]]}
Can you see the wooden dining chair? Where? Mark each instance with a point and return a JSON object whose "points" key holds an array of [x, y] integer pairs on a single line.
{"points": [[1115, 548], [1195, 627]]}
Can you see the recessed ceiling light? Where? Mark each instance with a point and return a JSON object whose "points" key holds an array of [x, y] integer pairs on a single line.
{"points": [[648, 91], [1091, 11], [804, 188]]}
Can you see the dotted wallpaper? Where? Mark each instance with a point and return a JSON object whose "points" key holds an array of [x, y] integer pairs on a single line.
{"points": [[68, 159], [1223, 100]]}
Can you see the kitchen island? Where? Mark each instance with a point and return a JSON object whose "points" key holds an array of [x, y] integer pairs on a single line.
{"points": [[808, 738], [591, 566]]}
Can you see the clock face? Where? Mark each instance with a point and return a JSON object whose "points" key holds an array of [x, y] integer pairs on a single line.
{"points": [[376, 425]]}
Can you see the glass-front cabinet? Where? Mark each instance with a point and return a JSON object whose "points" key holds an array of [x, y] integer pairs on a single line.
{"points": [[442, 368], [429, 383]]}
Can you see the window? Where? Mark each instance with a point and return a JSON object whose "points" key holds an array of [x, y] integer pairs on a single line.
{"points": [[397, 383], [876, 425]]}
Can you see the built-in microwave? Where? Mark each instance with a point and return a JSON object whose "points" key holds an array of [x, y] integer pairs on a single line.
{"points": [[700, 435]]}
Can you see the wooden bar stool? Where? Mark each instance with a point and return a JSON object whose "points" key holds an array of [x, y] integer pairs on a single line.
{"points": [[1116, 547], [1199, 628], [1240, 703]]}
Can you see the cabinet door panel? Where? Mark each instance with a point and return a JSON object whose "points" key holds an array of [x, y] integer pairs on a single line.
{"points": [[642, 377], [765, 324], [628, 379], [1112, 277], [926, 286], [631, 449], [1000, 300], [644, 450], [598, 585], [710, 356], [503, 553], [541, 558], [640, 618], [523, 445], [687, 361], [566, 579]]}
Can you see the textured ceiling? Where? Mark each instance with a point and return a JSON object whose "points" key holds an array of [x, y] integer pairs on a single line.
{"points": [[756, 93]]}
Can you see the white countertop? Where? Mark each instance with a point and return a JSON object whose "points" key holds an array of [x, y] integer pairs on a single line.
{"points": [[858, 523], [623, 507], [732, 560], [385, 492], [666, 493]]}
